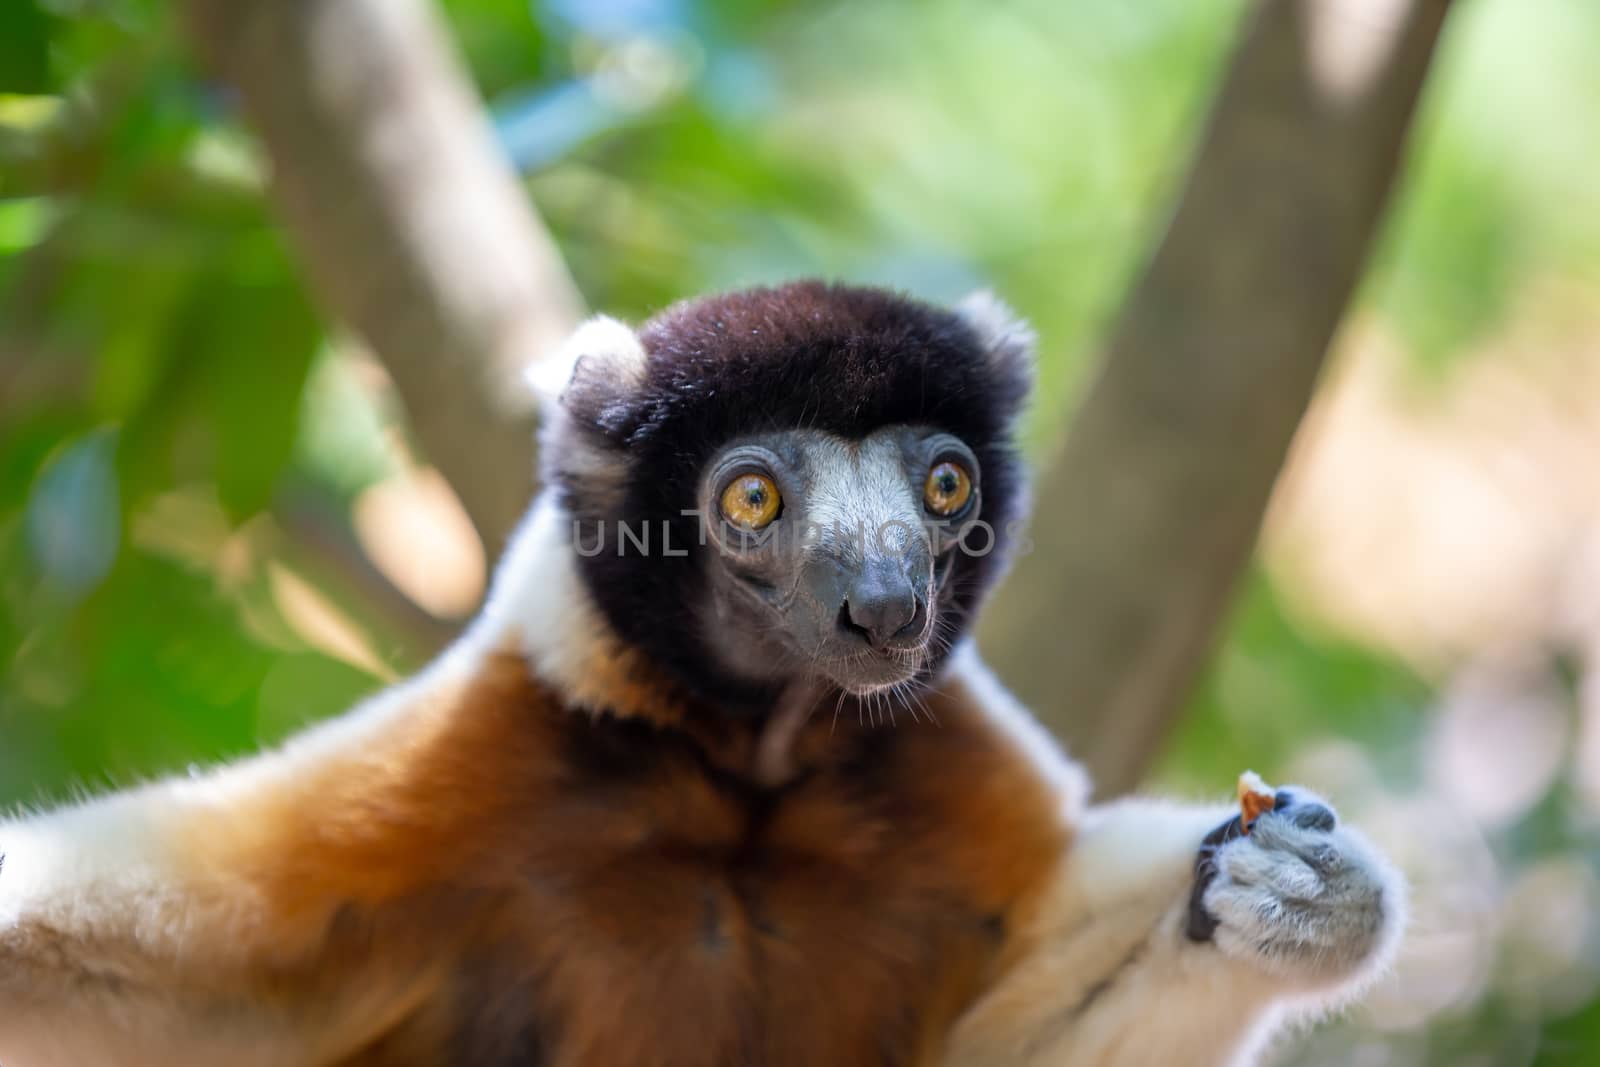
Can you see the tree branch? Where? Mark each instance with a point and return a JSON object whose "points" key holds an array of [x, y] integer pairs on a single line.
{"points": [[412, 228], [1147, 517]]}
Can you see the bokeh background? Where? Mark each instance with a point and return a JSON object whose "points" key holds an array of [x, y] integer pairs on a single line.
{"points": [[215, 526]]}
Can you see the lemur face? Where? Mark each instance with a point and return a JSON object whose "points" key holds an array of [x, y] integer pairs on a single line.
{"points": [[832, 556], [779, 484]]}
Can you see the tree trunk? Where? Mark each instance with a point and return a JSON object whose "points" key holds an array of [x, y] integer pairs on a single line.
{"points": [[1147, 517], [412, 227]]}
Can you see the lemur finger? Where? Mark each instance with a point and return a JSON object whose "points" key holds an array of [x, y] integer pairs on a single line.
{"points": [[1318, 848], [1314, 817], [1253, 922], [1247, 918], [1281, 871], [1317, 936], [1304, 808]]}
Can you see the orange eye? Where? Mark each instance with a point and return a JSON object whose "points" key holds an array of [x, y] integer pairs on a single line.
{"points": [[947, 489], [751, 501]]}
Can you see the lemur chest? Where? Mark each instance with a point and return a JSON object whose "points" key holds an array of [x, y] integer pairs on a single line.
{"points": [[679, 918]]}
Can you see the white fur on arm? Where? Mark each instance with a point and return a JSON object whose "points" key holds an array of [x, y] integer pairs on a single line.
{"points": [[96, 919], [1111, 977], [98, 871]]}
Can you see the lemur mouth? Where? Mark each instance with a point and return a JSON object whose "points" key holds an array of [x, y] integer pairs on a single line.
{"points": [[870, 667], [864, 676]]}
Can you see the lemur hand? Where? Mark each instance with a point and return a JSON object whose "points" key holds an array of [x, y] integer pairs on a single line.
{"points": [[1299, 896]]}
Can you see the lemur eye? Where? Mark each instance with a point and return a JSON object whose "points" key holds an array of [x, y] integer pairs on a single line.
{"points": [[751, 501], [947, 489]]}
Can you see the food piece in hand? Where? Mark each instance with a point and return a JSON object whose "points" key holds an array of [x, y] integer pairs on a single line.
{"points": [[1255, 799]]}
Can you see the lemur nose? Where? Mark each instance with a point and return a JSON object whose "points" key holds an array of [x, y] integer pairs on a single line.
{"points": [[882, 606]]}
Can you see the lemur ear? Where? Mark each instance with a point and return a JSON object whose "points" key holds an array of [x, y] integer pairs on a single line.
{"points": [[585, 387], [600, 362], [1007, 339]]}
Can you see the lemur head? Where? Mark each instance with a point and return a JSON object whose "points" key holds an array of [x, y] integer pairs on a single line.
{"points": [[807, 482]]}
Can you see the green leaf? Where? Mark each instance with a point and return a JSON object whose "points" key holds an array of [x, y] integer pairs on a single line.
{"points": [[1573, 1041], [260, 342], [304, 687], [25, 443], [24, 47], [137, 352]]}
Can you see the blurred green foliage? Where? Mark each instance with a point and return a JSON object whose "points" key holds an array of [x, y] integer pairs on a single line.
{"points": [[171, 406]]}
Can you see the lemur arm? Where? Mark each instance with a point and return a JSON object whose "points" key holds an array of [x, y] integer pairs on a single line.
{"points": [[1304, 914], [108, 917], [204, 920]]}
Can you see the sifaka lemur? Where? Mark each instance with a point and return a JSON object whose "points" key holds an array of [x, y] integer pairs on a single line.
{"points": [[716, 778]]}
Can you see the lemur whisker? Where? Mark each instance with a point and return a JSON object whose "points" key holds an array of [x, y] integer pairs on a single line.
{"points": [[901, 691], [906, 692]]}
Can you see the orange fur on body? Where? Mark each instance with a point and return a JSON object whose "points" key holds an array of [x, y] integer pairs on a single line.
{"points": [[511, 880]]}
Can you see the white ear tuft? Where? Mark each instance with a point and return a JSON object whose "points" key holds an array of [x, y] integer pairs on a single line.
{"points": [[607, 347], [1007, 339]]}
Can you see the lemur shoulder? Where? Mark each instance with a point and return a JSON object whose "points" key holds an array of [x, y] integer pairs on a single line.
{"points": [[652, 809]]}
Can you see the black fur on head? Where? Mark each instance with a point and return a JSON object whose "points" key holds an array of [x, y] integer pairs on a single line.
{"points": [[641, 418]]}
